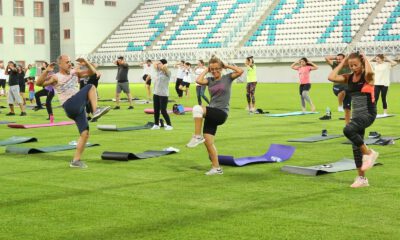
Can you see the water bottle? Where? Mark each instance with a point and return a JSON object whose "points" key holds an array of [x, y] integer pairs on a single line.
{"points": [[328, 112]]}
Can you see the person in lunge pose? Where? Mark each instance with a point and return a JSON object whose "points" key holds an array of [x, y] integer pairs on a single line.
{"points": [[48, 91], [361, 88], [200, 89], [73, 100], [339, 89], [147, 68], [219, 87], [304, 67]]}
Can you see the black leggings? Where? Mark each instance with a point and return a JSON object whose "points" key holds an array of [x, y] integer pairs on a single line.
{"points": [[177, 84], [384, 90], [364, 113], [49, 97], [160, 104]]}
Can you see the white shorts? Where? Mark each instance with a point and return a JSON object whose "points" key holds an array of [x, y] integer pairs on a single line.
{"points": [[13, 95]]}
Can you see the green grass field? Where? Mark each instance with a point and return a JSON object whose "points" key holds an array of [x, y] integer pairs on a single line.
{"points": [[170, 197]]}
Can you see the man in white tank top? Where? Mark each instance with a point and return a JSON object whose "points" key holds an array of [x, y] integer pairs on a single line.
{"points": [[74, 101]]}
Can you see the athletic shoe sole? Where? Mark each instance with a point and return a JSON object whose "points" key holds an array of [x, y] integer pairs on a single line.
{"points": [[103, 112]]}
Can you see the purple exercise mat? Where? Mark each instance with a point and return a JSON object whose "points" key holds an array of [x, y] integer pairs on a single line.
{"points": [[275, 153]]}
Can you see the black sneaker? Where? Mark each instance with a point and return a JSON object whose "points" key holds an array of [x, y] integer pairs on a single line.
{"points": [[23, 114], [374, 135], [10, 114], [326, 117], [117, 107], [36, 108], [130, 107]]}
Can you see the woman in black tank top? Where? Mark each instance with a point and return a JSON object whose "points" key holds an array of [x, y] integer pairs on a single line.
{"points": [[361, 87]]}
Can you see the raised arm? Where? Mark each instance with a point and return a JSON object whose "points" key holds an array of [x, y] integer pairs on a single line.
{"points": [[313, 66], [329, 60], [369, 73], [237, 71], [89, 72], [334, 75], [42, 78], [391, 61], [294, 65], [201, 79]]}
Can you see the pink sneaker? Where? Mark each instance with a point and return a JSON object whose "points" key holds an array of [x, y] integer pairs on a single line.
{"points": [[369, 160], [51, 118], [360, 182]]}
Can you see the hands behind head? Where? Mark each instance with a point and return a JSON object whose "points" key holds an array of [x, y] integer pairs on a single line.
{"points": [[50, 67], [81, 61]]}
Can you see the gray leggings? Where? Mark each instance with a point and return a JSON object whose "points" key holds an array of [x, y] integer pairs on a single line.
{"points": [[304, 90], [363, 115]]}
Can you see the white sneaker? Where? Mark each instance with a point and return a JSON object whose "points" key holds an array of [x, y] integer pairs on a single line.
{"points": [[100, 112], [214, 171], [369, 160], [360, 182], [195, 141], [340, 109], [155, 127], [168, 128]]}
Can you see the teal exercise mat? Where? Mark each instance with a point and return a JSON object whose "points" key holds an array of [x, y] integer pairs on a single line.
{"points": [[316, 138], [120, 129], [17, 140], [57, 148], [289, 114], [340, 166]]}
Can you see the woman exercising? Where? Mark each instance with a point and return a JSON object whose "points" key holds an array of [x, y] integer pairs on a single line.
{"points": [[304, 67], [219, 87], [361, 88]]}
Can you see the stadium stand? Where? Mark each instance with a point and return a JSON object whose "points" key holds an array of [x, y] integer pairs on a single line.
{"points": [[144, 26], [208, 24], [187, 29], [386, 26], [297, 22]]}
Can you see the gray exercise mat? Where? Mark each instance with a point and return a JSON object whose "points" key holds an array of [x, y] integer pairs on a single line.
{"points": [[288, 114], [27, 150], [340, 166], [115, 128], [126, 156], [17, 140], [317, 138], [376, 141]]}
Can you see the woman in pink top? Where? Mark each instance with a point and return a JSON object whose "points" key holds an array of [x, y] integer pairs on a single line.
{"points": [[304, 67]]}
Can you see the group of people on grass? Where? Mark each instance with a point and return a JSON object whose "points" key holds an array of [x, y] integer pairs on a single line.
{"points": [[353, 76]]}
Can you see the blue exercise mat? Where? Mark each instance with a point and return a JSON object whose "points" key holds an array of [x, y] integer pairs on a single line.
{"points": [[275, 153], [289, 114]]}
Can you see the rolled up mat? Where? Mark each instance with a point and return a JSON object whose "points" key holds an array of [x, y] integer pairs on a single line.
{"points": [[275, 153], [317, 138], [15, 125], [289, 114], [125, 156], [27, 150], [115, 128], [16, 140], [340, 166], [376, 141]]}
